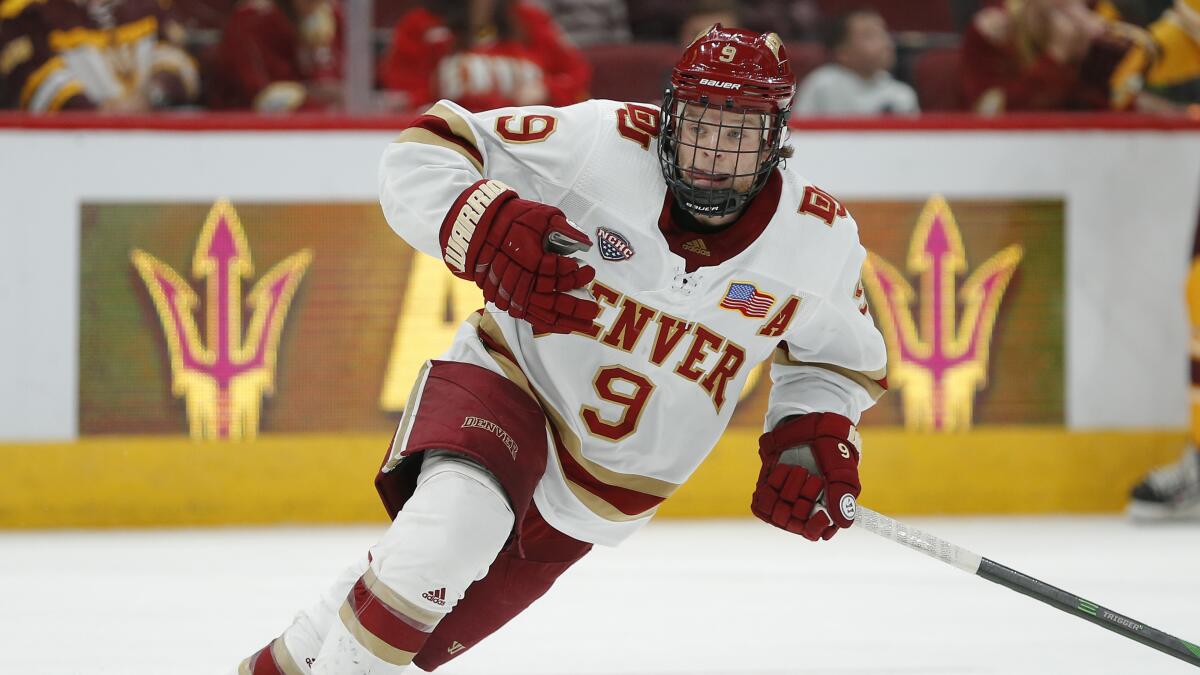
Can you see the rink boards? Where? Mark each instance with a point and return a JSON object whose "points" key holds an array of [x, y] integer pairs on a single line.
{"points": [[1085, 385], [149, 481]]}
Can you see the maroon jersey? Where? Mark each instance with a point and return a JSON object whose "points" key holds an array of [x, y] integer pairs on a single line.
{"points": [[81, 54], [268, 61], [1005, 72], [426, 63]]}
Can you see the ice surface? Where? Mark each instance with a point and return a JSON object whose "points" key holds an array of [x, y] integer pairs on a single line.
{"points": [[701, 597]]}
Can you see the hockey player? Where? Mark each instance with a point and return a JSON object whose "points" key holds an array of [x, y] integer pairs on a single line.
{"points": [[1172, 492], [561, 418]]}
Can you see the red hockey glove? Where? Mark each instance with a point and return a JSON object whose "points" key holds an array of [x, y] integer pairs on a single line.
{"points": [[498, 240], [809, 478]]}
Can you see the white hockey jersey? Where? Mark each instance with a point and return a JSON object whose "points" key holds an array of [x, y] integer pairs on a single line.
{"points": [[637, 402]]}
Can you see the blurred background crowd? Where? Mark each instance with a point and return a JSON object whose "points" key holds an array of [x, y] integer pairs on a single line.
{"points": [[851, 57]]}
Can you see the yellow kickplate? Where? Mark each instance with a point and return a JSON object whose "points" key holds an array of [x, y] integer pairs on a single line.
{"points": [[158, 481]]}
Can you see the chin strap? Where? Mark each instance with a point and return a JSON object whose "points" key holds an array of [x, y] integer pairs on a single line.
{"points": [[686, 220]]}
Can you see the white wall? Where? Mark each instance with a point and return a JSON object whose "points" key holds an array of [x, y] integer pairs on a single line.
{"points": [[1132, 204], [1131, 208]]}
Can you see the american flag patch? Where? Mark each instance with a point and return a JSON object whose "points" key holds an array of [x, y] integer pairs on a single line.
{"points": [[747, 299], [613, 246]]}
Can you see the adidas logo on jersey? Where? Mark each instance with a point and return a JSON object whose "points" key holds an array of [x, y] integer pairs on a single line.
{"points": [[698, 247], [437, 597], [455, 647]]}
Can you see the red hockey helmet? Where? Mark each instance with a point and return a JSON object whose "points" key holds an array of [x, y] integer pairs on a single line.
{"points": [[736, 84]]}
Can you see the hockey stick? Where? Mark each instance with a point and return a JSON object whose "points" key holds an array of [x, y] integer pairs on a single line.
{"points": [[976, 564]]}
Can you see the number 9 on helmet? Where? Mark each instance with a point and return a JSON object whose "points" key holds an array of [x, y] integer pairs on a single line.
{"points": [[724, 119]]}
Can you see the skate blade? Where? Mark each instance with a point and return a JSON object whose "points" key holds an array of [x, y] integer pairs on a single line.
{"points": [[1147, 512]]}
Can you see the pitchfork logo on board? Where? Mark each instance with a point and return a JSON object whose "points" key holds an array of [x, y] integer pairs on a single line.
{"points": [[222, 372], [938, 359], [613, 245]]}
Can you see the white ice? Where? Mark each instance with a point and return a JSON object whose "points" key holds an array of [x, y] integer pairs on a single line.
{"points": [[703, 597]]}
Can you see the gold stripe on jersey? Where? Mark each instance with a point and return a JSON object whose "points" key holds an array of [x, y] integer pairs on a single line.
{"points": [[593, 503], [634, 482], [284, 659], [866, 380], [406, 420], [427, 137], [65, 40], [136, 30], [1195, 417], [381, 649], [70, 89], [37, 77], [419, 618], [629, 481], [1193, 303], [457, 124], [1179, 60], [602, 508], [14, 54], [11, 8], [244, 666]]}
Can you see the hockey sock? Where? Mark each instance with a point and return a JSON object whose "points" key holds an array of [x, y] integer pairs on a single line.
{"points": [[296, 650], [443, 540]]}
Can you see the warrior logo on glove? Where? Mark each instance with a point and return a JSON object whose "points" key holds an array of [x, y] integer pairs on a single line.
{"points": [[848, 506], [467, 220], [502, 243]]}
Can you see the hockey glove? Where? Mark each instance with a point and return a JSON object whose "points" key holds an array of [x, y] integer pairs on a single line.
{"points": [[808, 484], [498, 240]]}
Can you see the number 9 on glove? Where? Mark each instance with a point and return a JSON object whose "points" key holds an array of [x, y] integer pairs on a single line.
{"points": [[809, 484]]}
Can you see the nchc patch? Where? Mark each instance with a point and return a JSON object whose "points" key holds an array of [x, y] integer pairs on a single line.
{"points": [[613, 245]]}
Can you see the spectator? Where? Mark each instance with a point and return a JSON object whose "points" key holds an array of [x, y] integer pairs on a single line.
{"points": [[1172, 492], [279, 56], [656, 20], [1136, 12], [1170, 66], [662, 20], [1044, 55], [790, 19], [705, 14], [483, 54], [591, 22], [858, 81], [121, 56]]}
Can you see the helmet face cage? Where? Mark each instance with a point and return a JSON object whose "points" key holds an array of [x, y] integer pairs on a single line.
{"points": [[688, 128]]}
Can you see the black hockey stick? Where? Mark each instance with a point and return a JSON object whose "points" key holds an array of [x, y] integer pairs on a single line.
{"points": [[1009, 578]]}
